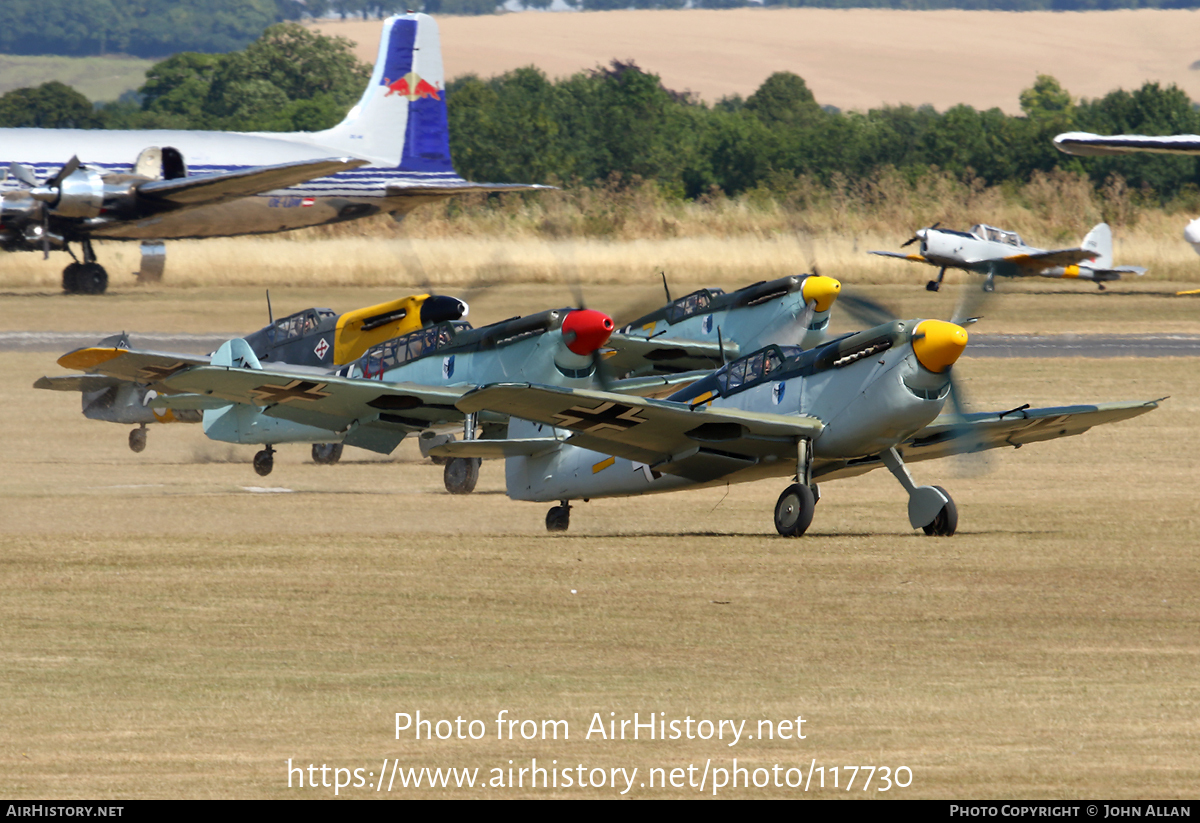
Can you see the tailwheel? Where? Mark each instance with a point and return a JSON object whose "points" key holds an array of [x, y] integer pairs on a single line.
{"points": [[264, 461], [326, 454], [794, 510], [137, 439], [461, 474], [946, 521], [932, 285], [558, 519]]}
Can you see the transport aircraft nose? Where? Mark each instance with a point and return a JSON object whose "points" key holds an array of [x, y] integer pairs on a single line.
{"points": [[820, 290], [938, 344], [586, 330]]}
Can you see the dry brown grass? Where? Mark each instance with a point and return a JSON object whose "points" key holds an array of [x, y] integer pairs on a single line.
{"points": [[167, 633], [626, 232], [852, 58]]}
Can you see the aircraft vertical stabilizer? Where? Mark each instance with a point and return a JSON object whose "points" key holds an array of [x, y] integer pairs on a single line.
{"points": [[401, 119], [1100, 241]]}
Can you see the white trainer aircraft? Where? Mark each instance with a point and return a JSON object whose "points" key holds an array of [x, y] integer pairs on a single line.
{"points": [[995, 252], [390, 155], [1096, 145]]}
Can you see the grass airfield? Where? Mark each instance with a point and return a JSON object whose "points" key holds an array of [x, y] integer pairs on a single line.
{"points": [[176, 626]]}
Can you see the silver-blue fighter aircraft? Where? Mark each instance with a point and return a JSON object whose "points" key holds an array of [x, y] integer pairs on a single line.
{"points": [[390, 155], [867, 400]]}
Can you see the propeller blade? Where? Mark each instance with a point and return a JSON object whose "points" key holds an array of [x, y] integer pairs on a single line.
{"points": [[63, 173], [866, 310], [909, 241], [23, 173], [806, 317]]}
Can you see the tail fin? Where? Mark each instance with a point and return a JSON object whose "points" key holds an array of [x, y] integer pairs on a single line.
{"points": [[237, 354], [401, 119], [1099, 240]]}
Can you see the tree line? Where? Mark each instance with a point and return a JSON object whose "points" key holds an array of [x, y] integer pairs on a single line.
{"points": [[620, 122]]}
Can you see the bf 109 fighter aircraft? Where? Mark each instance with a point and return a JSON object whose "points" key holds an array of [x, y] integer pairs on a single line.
{"points": [[318, 338], [1095, 145], [866, 400], [438, 364], [390, 155], [997, 253]]}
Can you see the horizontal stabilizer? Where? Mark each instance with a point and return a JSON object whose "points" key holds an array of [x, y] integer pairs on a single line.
{"points": [[77, 382], [449, 187], [1095, 145], [207, 190]]}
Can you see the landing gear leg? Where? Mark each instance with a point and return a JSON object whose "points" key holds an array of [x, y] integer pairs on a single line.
{"points": [[264, 461], [935, 285], [1100, 286], [558, 519], [137, 439], [795, 507], [930, 508]]}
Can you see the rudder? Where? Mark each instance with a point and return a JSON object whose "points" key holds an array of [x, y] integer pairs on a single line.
{"points": [[1099, 240]]}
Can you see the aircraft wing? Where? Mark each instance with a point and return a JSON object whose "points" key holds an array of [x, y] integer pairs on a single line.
{"points": [[77, 382], [497, 449], [701, 443], [449, 188], [1047, 259], [376, 414], [631, 352], [129, 364], [915, 258], [1095, 145], [950, 434], [210, 189]]}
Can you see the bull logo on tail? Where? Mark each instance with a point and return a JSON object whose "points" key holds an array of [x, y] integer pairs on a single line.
{"points": [[412, 86]]}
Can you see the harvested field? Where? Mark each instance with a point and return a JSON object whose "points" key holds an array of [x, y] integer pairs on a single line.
{"points": [[175, 626], [850, 58]]}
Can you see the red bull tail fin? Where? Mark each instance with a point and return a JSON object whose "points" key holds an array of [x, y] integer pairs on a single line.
{"points": [[400, 121]]}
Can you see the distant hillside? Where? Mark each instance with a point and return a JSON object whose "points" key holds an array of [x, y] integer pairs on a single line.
{"points": [[853, 59], [100, 79]]}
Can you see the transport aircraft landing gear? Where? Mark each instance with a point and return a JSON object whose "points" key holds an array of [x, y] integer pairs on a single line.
{"points": [[558, 519], [137, 439], [326, 454], [264, 461], [88, 277], [461, 474], [930, 508]]}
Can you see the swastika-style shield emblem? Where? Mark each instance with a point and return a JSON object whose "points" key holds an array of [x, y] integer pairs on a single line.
{"points": [[615, 416], [152, 374], [296, 390]]}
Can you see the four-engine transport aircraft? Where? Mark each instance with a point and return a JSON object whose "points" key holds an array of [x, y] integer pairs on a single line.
{"points": [[318, 338], [996, 253], [857, 403], [1097, 145], [390, 155]]}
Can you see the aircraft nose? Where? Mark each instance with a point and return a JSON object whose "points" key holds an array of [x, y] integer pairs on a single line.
{"points": [[586, 330], [938, 344], [439, 308], [820, 290]]}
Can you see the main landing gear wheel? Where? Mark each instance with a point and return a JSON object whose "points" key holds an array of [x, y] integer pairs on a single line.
{"points": [[946, 522], [264, 461], [558, 519], [794, 510], [326, 454], [137, 439], [71, 277], [85, 278], [461, 474]]}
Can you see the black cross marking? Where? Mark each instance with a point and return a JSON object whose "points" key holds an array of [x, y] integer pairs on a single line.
{"points": [[296, 390], [152, 374], [616, 416]]}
